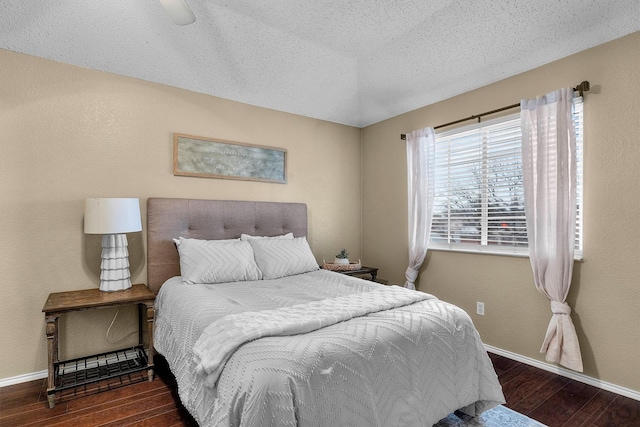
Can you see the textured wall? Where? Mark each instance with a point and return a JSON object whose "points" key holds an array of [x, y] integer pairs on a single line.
{"points": [[605, 293], [69, 133]]}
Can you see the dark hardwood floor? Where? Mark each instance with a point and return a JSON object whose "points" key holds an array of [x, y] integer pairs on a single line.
{"points": [[126, 401], [133, 401], [561, 402]]}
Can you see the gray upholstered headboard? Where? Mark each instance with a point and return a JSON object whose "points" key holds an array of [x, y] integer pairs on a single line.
{"points": [[211, 220]]}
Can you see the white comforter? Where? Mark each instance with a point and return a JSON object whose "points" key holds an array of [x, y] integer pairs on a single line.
{"points": [[406, 359]]}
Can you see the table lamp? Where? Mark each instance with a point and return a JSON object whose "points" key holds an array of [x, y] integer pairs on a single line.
{"points": [[112, 217]]}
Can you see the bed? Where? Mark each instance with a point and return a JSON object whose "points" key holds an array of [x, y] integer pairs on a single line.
{"points": [[291, 344]]}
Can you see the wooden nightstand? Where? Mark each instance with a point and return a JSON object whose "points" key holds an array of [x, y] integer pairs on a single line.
{"points": [[73, 373], [373, 271]]}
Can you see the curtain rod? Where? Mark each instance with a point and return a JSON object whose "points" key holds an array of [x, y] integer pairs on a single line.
{"points": [[582, 87]]}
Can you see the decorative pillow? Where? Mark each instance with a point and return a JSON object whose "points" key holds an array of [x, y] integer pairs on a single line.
{"points": [[283, 257], [247, 237], [216, 261]]}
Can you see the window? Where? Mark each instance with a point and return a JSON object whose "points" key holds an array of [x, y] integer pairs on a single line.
{"points": [[479, 199]]}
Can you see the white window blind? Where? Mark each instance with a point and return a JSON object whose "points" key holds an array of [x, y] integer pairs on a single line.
{"points": [[479, 200]]}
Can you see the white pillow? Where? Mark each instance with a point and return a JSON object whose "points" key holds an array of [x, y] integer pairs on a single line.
{"points": [[283, 257], [247, 237], [216, 261]]}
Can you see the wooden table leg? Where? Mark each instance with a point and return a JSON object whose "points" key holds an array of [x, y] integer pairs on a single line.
{"points": [[52, 351], [150, 319]]}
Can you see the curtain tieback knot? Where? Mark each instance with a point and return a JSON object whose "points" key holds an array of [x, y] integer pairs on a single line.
{"points": [[560, 308], [411, 274]]}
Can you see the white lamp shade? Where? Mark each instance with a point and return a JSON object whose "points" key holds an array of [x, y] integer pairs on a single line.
{"points": [[112, 215]]}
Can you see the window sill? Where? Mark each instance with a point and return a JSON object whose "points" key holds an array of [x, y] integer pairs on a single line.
{"points": [[472, 249]]}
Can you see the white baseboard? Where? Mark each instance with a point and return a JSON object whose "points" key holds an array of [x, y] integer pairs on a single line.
{"points": [[627, 392], [23, 378]]}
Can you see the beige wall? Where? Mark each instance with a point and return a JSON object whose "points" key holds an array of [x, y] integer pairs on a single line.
{"points": [[605, 293], [69, 133]]}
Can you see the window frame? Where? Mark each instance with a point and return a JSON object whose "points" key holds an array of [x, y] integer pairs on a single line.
{"points": [[508, 250]]}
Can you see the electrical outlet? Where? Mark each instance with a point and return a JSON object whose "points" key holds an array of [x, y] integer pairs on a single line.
{"points": [[480, 308]]}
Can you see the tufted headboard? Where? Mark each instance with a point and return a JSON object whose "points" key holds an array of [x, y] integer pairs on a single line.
{"points": [[211, 220]]}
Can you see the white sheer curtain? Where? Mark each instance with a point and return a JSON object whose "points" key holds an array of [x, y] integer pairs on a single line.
{"points": [[549, 174], [421, 184]]}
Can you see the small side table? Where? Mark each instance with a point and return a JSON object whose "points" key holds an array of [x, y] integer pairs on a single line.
{"points": [[95, 368], [373, 271]]}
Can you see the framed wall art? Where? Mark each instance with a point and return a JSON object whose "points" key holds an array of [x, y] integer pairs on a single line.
{"points": [[216, 158]]}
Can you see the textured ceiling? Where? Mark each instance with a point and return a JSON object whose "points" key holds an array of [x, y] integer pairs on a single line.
{"points": [[355, 62]]}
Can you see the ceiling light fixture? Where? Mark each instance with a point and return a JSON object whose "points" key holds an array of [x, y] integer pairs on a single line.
{"points": [[178, 11]]}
